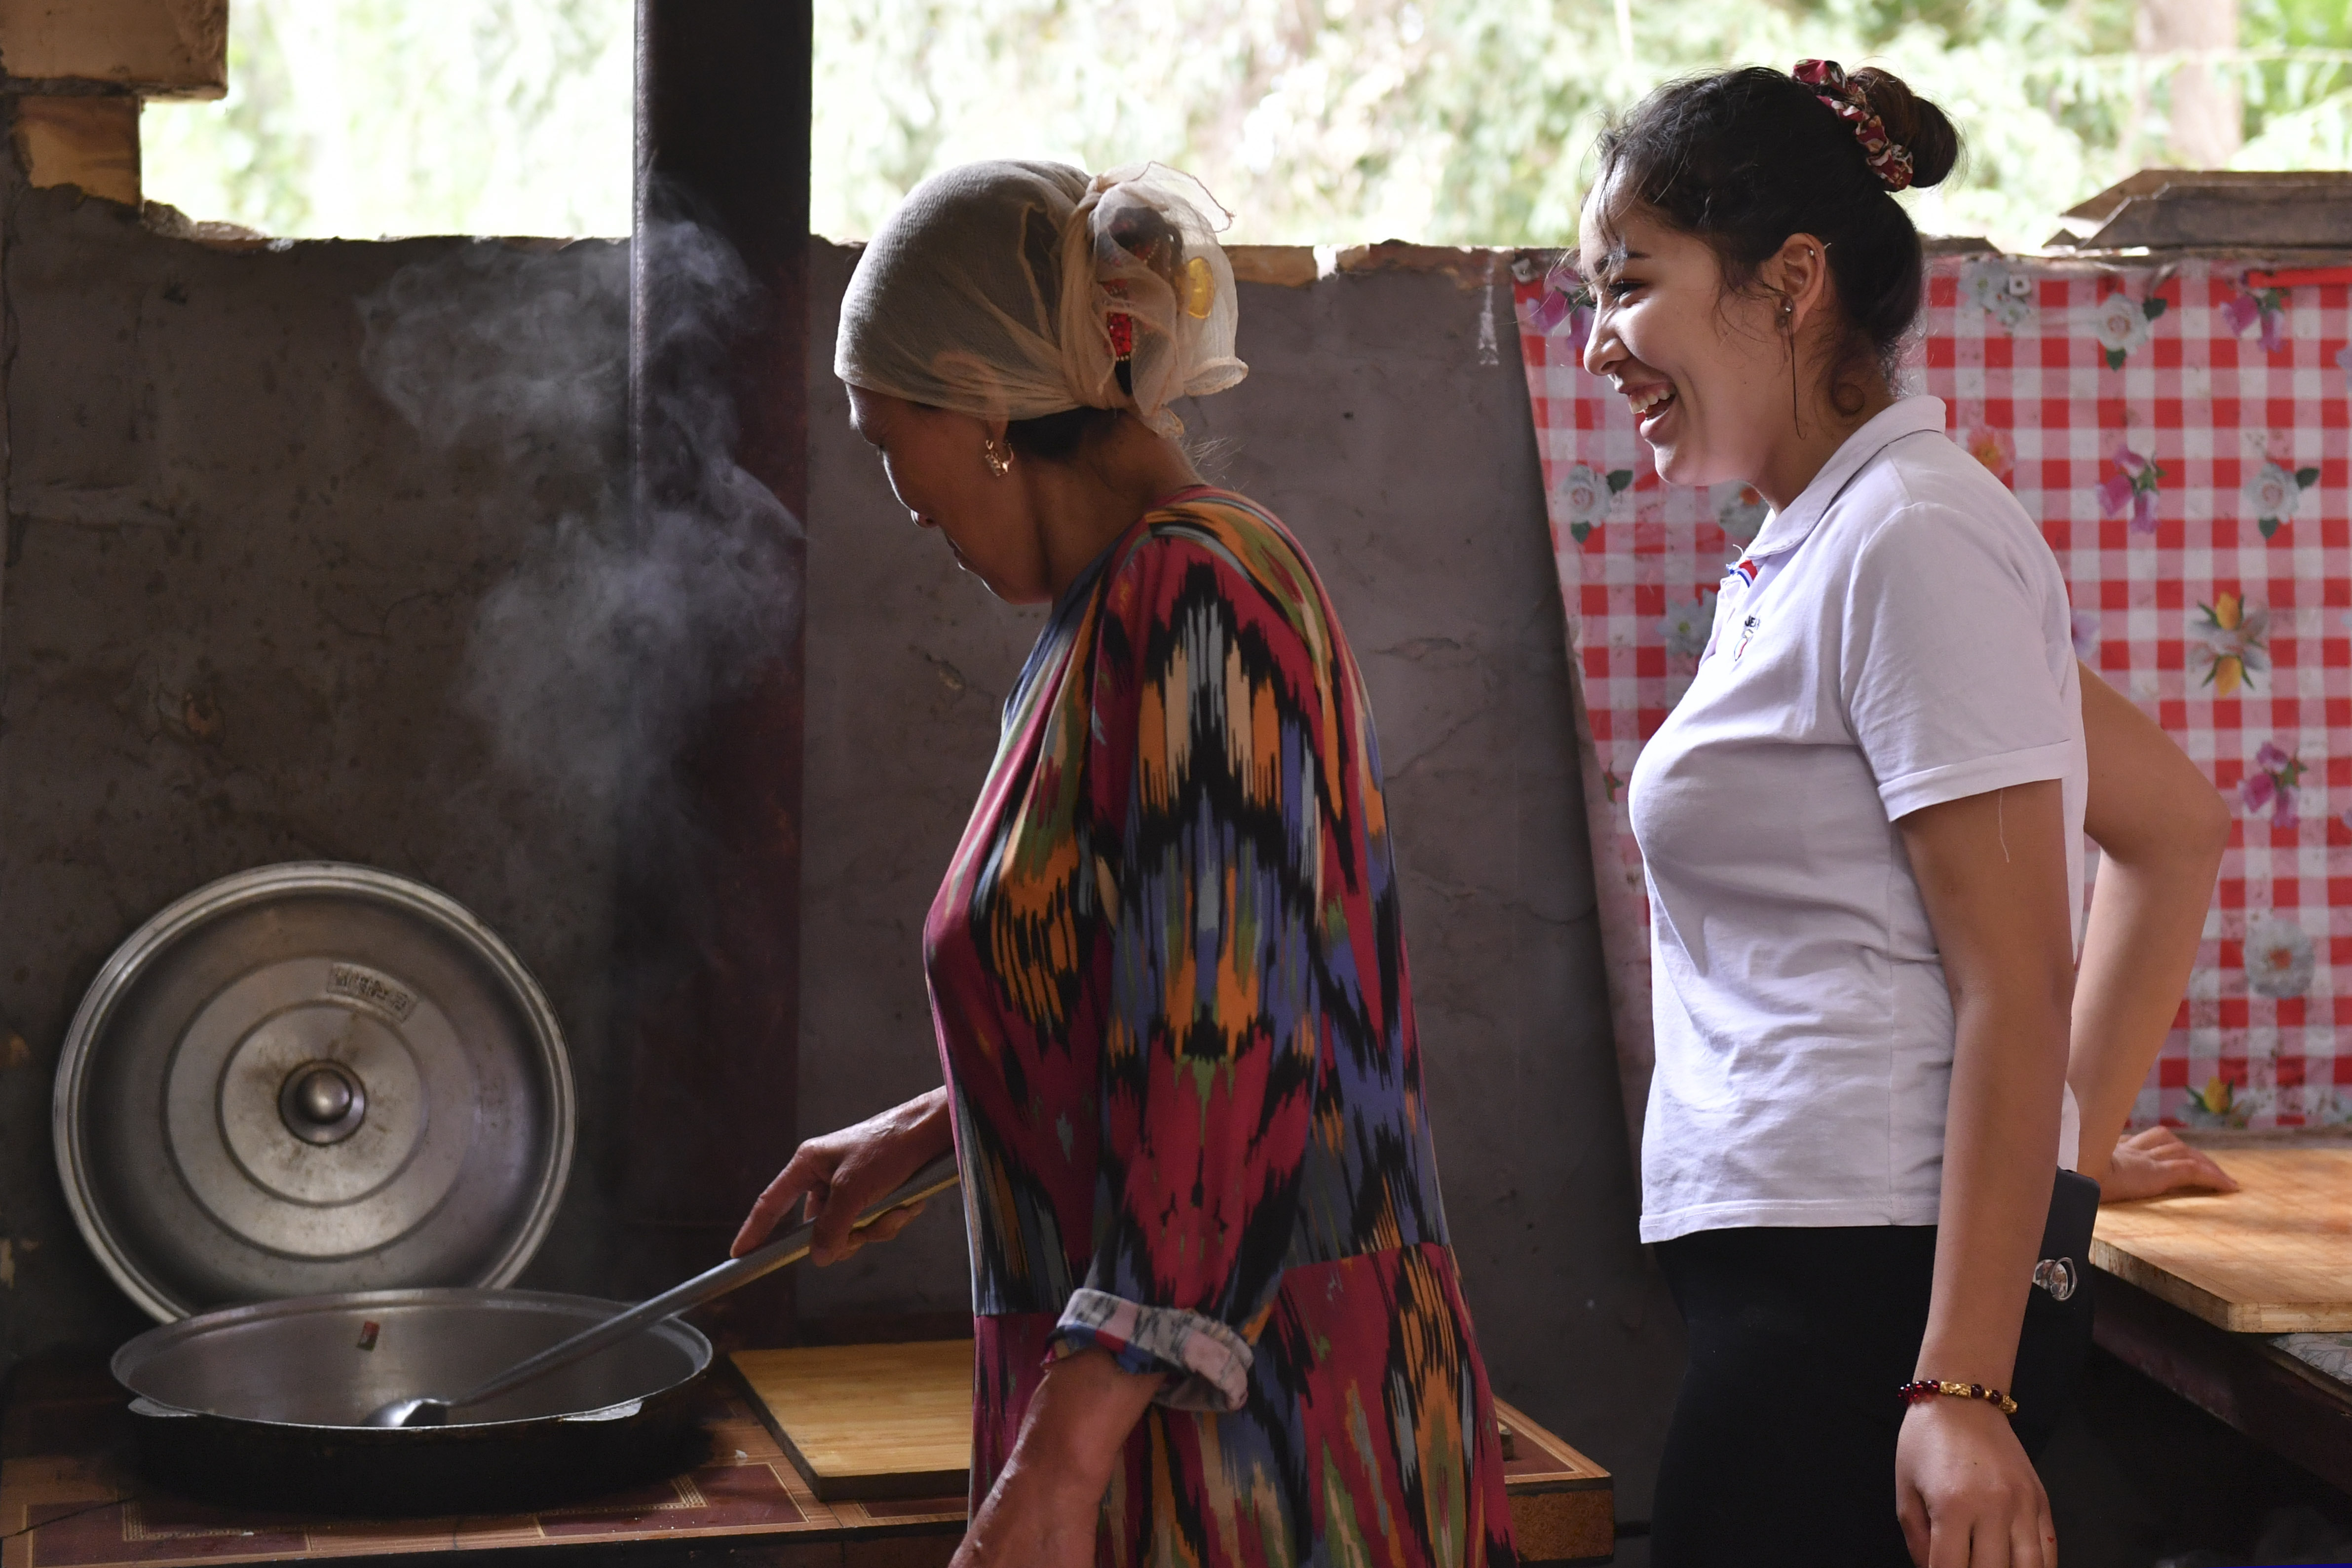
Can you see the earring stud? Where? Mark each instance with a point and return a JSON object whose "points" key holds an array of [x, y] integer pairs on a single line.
{"points": [[998, 458]]}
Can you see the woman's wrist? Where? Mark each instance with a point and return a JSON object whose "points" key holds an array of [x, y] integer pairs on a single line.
{"points": [[1958, 1358], [924, 1123], [1079, 1420]]}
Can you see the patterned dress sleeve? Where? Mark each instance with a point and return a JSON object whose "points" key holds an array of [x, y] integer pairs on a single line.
{"points": [[1212, 685]]}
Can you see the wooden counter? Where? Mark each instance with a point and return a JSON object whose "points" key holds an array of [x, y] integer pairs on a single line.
{"points": [[68, 1499], [2193, 1285], [895, 1420], [2274, 1257]]}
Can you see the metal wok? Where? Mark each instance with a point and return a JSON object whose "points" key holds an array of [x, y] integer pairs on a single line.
{"points": [[261, 1405]]}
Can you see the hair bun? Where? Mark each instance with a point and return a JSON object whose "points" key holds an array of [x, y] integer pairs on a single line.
{"points": [[1915, 122]]}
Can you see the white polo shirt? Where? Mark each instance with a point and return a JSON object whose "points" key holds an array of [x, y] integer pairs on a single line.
{"points": [[1898, 637]]}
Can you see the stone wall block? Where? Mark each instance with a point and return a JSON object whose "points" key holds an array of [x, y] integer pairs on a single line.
{"points": [[157, 48], [91, 142]]}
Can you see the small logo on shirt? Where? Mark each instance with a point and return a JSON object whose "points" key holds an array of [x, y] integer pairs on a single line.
{"points": [[1745, 572], [1747, 633]]}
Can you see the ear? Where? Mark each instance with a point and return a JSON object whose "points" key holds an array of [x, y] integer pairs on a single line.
{"points": [[1799, 273]]}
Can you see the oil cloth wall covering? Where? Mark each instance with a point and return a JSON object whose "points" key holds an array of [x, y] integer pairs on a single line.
{"points": [[2181, 433]]}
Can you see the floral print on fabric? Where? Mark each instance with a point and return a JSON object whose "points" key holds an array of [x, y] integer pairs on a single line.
{"points": [[2133, 487], [2278, 956], [1168, 972], [2274, 492], [2265, 307], [2121, 324], [2149, 415], [2272, 783], [2231, 649]]}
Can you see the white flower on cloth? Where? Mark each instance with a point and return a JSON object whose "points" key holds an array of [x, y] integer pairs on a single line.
{"points": [[2121, 324], [2278, 956], [2275, 492], [2000, 292], [1685, 627], [1585, 494], [1741, 514]]}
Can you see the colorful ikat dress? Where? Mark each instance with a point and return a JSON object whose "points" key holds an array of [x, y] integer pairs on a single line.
{"points": [[1169, 983]]}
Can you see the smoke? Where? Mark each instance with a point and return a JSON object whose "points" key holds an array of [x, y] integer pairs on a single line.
{"points": [[592, 663]]}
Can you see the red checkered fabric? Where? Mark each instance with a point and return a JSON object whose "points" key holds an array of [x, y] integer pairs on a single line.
{"points": [[2183, 435]]}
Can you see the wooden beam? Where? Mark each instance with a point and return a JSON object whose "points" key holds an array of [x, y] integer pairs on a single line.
{"points": [[709, 1013], [87, 142], [155, 49]]}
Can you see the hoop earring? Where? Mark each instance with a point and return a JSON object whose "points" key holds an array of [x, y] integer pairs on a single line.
{"points": [[999, 458]]}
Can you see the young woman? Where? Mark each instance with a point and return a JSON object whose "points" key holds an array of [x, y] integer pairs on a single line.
{"points": [[1216, 1315], [1862, 830]]}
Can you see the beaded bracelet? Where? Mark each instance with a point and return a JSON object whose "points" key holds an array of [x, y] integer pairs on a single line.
{"points": [[1913, 1393]]}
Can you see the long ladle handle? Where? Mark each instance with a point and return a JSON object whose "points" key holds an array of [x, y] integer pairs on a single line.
{"points": [[935, 1177]]}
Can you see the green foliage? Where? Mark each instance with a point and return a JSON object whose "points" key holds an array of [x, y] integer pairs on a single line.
{"points": [[1315, 121], [367, 116]]}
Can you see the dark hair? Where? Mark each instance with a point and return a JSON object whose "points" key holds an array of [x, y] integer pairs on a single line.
{"points": [[1743, 159], [1057, 436]]}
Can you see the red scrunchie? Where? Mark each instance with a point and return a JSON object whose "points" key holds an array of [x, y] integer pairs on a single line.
{"points": [[1889, 159]]}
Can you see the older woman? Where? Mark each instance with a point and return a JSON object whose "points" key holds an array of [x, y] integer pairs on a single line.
{"points": [[1216, 1316]]}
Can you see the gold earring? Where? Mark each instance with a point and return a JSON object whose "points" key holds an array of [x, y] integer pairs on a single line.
{"points": [[998, 458]]}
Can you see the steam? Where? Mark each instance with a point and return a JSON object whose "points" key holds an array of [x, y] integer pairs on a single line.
{"points": [[590, 665]]}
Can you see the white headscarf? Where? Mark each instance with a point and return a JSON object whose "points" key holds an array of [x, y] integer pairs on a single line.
{"points": [[991, 292]]}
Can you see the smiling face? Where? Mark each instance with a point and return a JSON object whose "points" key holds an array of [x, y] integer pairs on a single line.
{"points": [[937, 467], [1705, 368]]}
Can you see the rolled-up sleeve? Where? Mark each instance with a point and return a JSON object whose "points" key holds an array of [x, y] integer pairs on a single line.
{"points": [[1204, 759]]}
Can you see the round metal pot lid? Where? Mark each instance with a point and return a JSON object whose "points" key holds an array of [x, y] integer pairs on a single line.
{"points": [[306, 1079]]}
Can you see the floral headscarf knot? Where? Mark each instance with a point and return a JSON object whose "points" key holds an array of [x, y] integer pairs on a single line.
{"points": [[1889, 159]]}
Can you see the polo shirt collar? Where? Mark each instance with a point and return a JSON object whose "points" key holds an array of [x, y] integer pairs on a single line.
{"points": [[1906, 416]]}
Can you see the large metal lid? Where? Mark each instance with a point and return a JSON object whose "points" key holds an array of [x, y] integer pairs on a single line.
{"points": [[306, 1079]]}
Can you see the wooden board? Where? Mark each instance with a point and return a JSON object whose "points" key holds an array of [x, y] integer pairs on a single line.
{"points": [[895, 1420], [2274, 1257], [869, 1421], [1563, 1506]]}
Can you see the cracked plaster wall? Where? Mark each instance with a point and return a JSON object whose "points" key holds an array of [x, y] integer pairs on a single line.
{"points": [[233, 623], [234, 615]]}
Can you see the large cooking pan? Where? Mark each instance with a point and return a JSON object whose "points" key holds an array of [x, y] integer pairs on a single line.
{"points": [[263, 1405], [285, 1403]]}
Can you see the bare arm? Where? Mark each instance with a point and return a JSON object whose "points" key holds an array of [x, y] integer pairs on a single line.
{"points": [[1043, 1510], [2160, 828], [1991, 870]]}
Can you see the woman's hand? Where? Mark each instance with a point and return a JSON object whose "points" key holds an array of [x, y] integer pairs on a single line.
{"points": [[842, 1172], [2150, 1164], [1965, 1491], [1046, 1505]]}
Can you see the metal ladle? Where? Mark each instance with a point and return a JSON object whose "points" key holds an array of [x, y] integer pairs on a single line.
{"points": [[427, 1411]]}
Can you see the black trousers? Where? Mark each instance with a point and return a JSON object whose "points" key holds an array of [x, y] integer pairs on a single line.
{"points": [[1782, 1445]]}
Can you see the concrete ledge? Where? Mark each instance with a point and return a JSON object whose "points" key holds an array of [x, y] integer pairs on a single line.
{"points": [[1284, 265], [1470, 267], [157, 48], [89, 142]]}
